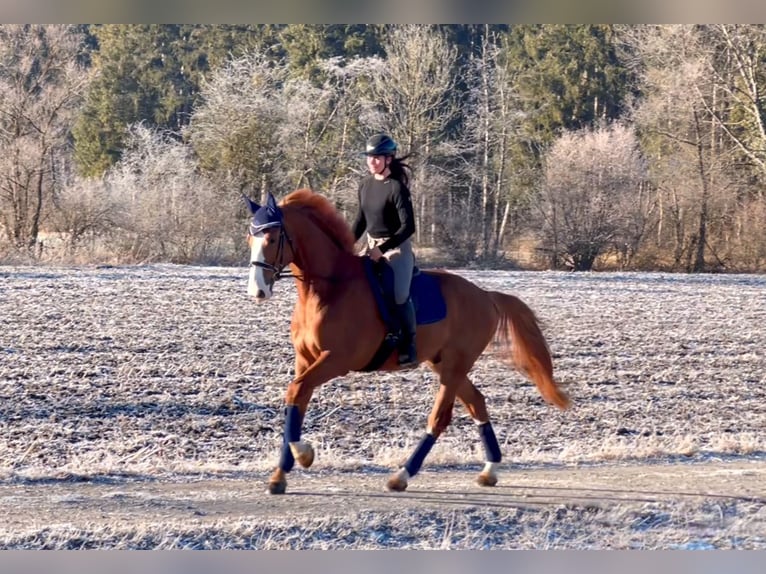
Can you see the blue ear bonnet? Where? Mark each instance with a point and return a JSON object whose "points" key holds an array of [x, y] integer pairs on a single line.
{"points": [[265, 216]]}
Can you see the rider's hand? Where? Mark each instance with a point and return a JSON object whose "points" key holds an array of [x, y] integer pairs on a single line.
{"points": [[375, 254]]}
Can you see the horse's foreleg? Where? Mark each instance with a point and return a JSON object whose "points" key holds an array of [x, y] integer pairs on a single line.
{"points": [[297, 398], [438, 421], [476, 406]]}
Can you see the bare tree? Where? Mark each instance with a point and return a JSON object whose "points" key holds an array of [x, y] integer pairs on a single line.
{"points": [[83, 214], [492, 122], [167, 210], [235, 131], [41, 87], [687, 146], [739, 74], [320, 150], [592, 179]]}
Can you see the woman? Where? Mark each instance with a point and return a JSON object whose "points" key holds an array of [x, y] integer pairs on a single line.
{"points": [[385, 213]]}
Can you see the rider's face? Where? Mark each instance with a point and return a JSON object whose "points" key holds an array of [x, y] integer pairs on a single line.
{"points": [[377, 163]]}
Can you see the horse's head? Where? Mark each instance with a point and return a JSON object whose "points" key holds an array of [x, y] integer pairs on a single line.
{"points": [[270, 247]]}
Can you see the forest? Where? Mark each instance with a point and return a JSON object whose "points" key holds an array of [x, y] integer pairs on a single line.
{"points": [[580, 147]]}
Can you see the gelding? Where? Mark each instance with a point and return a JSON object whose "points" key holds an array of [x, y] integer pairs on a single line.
{"points": [[337, 327]]}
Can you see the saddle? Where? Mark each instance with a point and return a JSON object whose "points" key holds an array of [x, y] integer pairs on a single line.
{"points": [[427, 299]]}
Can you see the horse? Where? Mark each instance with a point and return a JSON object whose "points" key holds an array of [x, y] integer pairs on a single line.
{"points": [[338, 327]]}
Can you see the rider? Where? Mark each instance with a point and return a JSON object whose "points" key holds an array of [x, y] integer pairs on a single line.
{"points": [[385, 212]]}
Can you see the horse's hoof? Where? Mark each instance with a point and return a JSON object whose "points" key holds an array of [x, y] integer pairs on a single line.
{"points": [[398, 480], [303, 452], [306, 458], [278, 487], [395, 484], [277, 482], [486, 479]]}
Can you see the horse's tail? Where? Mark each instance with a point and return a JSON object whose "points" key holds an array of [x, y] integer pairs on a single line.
{"points": [[519, 329]]}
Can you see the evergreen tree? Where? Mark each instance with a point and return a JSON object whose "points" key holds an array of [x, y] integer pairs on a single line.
{"points": [[307, 45], [570, 78], [152, 74]]}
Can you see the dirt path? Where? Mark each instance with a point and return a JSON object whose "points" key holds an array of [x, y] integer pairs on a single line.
{"points": [[341, 494]]}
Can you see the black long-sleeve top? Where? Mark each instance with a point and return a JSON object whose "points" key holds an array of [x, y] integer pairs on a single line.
{"points": [[385, 210]]}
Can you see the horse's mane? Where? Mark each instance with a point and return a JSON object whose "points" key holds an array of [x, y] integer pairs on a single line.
{"points": [[324, 213]]}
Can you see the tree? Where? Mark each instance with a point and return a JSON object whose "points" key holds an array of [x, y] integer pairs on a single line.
{"points": [[235, 130], [492, 123], [570, 77], [84, 213], [307, 46], [692, 161], [169, 211], [738, 72], [317, 136], [41, 86], [135, 79], [152, 73], [591, 180]]}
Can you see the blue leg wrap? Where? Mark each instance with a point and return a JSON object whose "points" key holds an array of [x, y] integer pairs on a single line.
{"points": [[293, 422], [413, 464], [489, 440]]}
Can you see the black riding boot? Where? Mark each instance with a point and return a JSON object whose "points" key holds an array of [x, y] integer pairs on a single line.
{"points": [[407, 354]]}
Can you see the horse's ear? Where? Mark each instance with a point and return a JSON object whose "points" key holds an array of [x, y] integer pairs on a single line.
{"points": [[251, 204], [271, 202]]}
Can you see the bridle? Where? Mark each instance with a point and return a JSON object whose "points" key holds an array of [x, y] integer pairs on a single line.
{"points": [[280, 265]]}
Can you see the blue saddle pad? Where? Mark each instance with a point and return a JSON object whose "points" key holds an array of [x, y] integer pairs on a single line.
{"points": [[425, 291], [427, 295]]}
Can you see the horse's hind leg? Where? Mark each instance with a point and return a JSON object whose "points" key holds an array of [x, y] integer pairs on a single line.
{"points": [[439, 419], [476, 406]]}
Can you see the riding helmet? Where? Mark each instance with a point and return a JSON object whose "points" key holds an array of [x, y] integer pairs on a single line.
{"points": [[380, 144]]}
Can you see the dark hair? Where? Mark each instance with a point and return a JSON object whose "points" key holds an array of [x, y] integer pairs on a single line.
{"points": [[400, 170]]}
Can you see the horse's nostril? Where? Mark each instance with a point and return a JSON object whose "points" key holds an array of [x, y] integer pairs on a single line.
{"points": [[260, 294]]}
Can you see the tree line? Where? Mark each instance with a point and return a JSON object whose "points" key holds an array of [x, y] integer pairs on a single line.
{"points": [[546, 146]]}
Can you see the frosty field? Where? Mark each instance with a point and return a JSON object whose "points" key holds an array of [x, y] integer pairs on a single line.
{"points": [[141, 407]]}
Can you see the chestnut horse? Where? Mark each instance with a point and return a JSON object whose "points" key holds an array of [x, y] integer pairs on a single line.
{"points": [[337, 328]]}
